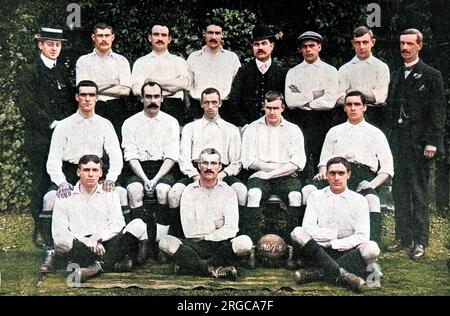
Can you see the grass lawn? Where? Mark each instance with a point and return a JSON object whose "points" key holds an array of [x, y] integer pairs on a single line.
{"points": [[20, 261]]}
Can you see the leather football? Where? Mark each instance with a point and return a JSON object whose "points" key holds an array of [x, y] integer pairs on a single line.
{"points": [[271, 246]]}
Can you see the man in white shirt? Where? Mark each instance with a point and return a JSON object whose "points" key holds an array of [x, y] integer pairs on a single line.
{"points": [[211, 131], [112, 74], [212, 66], [311, 93], [84, 132], [209, 217], [334, 235], [273, 149], [169, 71], [89, 229], [150, 140], [367, 74], [367, 150]]}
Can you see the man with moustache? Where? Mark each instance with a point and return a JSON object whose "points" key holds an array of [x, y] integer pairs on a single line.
{"points": [[211, 131], [311, 93], [212, 66], [45, 97], [273, 149], [111, 72], [254, 80], [367, 74], [150, 140], [169, 71], [209, 217], [416, 115]]}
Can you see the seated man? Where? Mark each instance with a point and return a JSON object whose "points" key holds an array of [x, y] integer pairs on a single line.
{"points": [[334, 235], [89, 229], [274, 149], [209, 217], [367, 150]]}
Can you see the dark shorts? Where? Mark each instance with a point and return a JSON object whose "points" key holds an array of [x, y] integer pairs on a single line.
{"points": [[150, 168], [280, 186]]}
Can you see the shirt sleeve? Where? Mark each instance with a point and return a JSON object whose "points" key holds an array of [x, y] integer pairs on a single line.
{"points": [[129, 145], [384, 155], [112, 148], [249, 150], [172, 146], [62, 236], [297, 148], [293, 99], [234, 153], [231, 218], [185, 161], [55, 156], [331, 89], [361, 227], [381, 86], [115, 221], [327, 148], [80, 70]]}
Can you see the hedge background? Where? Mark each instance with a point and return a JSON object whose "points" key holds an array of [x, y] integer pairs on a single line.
{"points": [[335, 20]]}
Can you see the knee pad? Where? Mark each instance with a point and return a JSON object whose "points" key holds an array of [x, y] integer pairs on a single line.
{"points": [[123, 195], [135, 192], [241, 245], [369, 251], [174, 195], [254, 197], [374, 203], [49, 201], [137, 228], [169, 244], [300, 236], [241, 192], [162, 190], [295, 198], [306, 191]]}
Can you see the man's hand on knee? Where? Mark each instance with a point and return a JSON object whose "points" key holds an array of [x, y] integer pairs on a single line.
{"points": [[108, 186]]}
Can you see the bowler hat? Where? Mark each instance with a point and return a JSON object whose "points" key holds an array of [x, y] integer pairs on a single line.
{"points": [[261, 32], [50, 34], [309, 35]]}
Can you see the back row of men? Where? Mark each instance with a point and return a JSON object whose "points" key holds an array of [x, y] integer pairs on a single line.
{"points": [[416, 115]]}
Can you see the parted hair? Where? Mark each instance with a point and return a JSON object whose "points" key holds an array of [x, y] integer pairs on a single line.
{"points": [[88, 158], [86, 83], [209, 151], [339, 160]]}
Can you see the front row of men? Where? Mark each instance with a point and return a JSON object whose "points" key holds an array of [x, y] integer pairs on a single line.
{"points": [[89, 229]]}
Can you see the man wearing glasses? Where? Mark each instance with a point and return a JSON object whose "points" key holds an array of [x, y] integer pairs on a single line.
{"points": [[150, 140], [211, 131]]}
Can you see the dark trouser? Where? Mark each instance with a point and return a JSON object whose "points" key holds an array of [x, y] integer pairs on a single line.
{"points": [[116, 111], [330, 260], [314, 125], [252, 220], [193, 258], [442, 186], [176, 108], [410, 190], [116, 248]]}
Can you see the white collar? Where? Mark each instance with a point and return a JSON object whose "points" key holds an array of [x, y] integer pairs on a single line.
{"points": [[261, 64], [412, 63], [49, 63]]}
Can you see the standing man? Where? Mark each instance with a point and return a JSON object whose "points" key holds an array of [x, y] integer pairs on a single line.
{"points": [[334, 235], [254, 80], [45, 97], [150, 140], [416, 118], [367, 74], [212, 66], [84, 132], [89, 228], [111, 72], [273, 149], [367, 150], [209, 217], [211, 131], [311, 94], [169, 71]]}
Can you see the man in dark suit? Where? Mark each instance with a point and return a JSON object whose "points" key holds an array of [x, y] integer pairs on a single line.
{"points": [[254, 80], [45, 97], [416, 117]]}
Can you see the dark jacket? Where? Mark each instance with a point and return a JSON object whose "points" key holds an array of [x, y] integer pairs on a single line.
{"points": [[44, 95], [248, 90], [423, 99]]}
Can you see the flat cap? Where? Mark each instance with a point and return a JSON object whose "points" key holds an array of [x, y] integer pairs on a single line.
{"points": [[309, 35]]}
